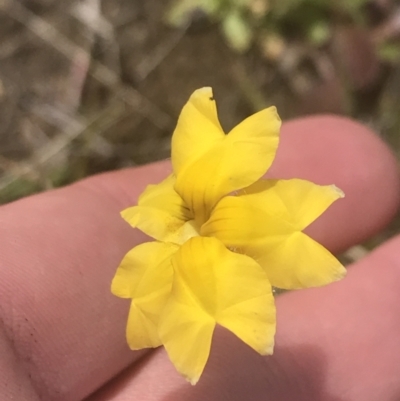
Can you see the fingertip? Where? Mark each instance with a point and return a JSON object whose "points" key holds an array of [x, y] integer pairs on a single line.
{"points": [[336, 150]]}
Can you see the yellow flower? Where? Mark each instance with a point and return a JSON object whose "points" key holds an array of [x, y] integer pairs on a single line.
{"points": [[224, 237]]}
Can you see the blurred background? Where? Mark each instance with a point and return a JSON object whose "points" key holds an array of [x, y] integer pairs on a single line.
{"points": [[93, 85]]}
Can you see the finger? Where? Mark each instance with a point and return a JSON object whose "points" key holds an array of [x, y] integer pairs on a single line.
{"points": [[62, 249], [334, 343], [14, 384], [59, 253], [332, 150]]}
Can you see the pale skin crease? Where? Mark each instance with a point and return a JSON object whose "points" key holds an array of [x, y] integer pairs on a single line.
{"points": [[62, 333]]}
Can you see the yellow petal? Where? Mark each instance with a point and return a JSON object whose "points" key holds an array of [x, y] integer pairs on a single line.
{"points": [[161, 213], [141, 332], [197, 131], [214, 286], [145, 275], [243, 224], [298, 202], [186, 332], [224, 164], [301, 262], [290, 258]]}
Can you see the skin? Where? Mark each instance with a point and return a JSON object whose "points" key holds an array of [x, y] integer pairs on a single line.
{"points": [[62, 333]]}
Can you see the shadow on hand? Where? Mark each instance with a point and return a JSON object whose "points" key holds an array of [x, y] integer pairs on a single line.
{"points": [[236, 372]]}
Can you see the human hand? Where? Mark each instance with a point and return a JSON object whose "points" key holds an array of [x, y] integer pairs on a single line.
{"points": [[63, 333]]}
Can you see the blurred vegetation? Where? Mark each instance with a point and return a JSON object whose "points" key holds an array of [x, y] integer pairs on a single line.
{"points": [[92, 85], [244, 20]]}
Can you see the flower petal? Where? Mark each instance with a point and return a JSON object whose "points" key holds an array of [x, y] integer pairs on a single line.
{"points": [[141, 332], [243, 224], [300, 262], [290, 258], [161, 213], [197, 131], [145, 275], [298, 202], [232, 163], [186, 332], [214, 286]]}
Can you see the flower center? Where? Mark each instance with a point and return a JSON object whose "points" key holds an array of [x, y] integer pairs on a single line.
{"points": [[189, 230]]}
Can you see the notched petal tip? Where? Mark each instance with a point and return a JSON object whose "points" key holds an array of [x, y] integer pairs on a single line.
{"points": [[339, 192], [269, 350], [339, 274], [192, 380], [202, 92], [274, 114]]}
